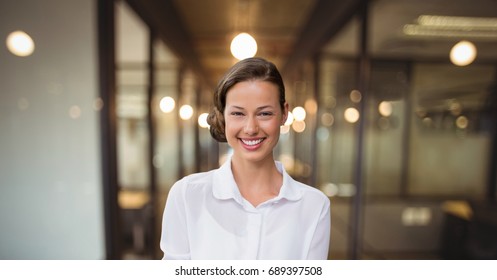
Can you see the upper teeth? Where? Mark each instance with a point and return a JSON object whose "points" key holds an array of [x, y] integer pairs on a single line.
{"points": [[252, 142]]}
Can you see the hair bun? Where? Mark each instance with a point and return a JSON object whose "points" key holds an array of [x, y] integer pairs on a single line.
{"points": [[216, 122]]}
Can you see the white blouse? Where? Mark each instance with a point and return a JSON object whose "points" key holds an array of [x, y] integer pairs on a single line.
{"points": [[206, 217]]}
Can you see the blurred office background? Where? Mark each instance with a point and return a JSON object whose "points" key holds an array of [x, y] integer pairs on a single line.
{"points": [[102, 108]]}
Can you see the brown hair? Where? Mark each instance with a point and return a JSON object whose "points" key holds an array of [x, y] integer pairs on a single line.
{"points": [[245, 70]]}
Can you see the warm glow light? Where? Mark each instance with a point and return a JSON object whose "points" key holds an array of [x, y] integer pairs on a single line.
{"points": [[186, 112], [311, 106], [167, 104], [289, 119], [462, 122], [298, 126], [243, 46], [463, 53], [355, 96], [299, 113], [284, 129], [329, 189], [385, 108], [75, 112], [202, 120], [327, 119], [19, 43], [351, 115]]}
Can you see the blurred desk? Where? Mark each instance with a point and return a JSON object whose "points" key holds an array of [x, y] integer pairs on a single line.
{"points": [[134, 205], [131, 199], [469, 231], [458, 208]]}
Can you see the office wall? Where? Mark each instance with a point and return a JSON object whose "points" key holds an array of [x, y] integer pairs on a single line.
{"points": [[50, 181]]}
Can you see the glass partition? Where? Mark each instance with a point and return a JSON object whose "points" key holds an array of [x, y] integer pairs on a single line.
{"points": [[337, 131], [51, 199], [435, 103], [428, 131], [133, 134], [428, 142], [165, 109], [449, 148]]}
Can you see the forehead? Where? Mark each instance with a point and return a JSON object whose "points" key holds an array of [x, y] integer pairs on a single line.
{"points": [[253, 91]]}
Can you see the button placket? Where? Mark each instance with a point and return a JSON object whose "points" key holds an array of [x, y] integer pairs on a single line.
{"points": [[254, 233]]}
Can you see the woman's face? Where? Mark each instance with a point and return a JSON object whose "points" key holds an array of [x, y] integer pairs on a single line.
{"points": [[253, 117]]}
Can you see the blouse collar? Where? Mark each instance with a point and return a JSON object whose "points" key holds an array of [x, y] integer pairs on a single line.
{"points": [[224, 185]]}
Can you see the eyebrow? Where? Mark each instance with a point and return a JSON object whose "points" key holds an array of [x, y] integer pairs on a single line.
{"points": [[258, 108]]}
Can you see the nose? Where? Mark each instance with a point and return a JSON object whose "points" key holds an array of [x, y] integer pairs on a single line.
{"points": [[251, 126]]}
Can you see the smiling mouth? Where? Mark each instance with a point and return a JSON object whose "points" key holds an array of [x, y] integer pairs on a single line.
{"points": [[252, 142]]}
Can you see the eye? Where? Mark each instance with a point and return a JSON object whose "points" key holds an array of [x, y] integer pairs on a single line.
{"points": [[236, 113], [266, 114]]}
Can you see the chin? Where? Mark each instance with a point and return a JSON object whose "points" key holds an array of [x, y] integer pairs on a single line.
{"points": [[256, 157]]}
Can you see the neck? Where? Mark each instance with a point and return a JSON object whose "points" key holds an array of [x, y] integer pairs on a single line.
{"points": [[257, 181]]}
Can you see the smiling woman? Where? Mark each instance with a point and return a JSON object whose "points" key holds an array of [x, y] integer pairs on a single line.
{"points": [[249, 208], [253, 118]]}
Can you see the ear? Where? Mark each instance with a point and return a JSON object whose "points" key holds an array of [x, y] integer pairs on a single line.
{"points": [[285, 113]]}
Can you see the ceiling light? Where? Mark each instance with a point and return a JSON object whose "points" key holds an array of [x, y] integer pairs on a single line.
{"points": [[202, 120], [463, 22], [351, 115], [19, 43], [299, 113], [385, 108], [449, 26], [243, 46], [167, 104], [186, 112], [289, 118], [463, 53], [432, 31]]}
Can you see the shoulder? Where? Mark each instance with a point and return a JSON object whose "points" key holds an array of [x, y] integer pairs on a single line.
{"points": [[311, 193], [312, 200], [192, 182], [198, 178]]}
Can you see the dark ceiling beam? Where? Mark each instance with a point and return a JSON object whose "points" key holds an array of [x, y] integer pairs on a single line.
{"points": [[163, 17], [325, 20]]}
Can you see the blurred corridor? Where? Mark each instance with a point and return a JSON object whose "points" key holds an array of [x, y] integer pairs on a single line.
{"points": [[394, 117]]}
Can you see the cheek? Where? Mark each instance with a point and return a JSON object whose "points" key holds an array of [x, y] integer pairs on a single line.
{"points": [[230, 128], [273, 127]]}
